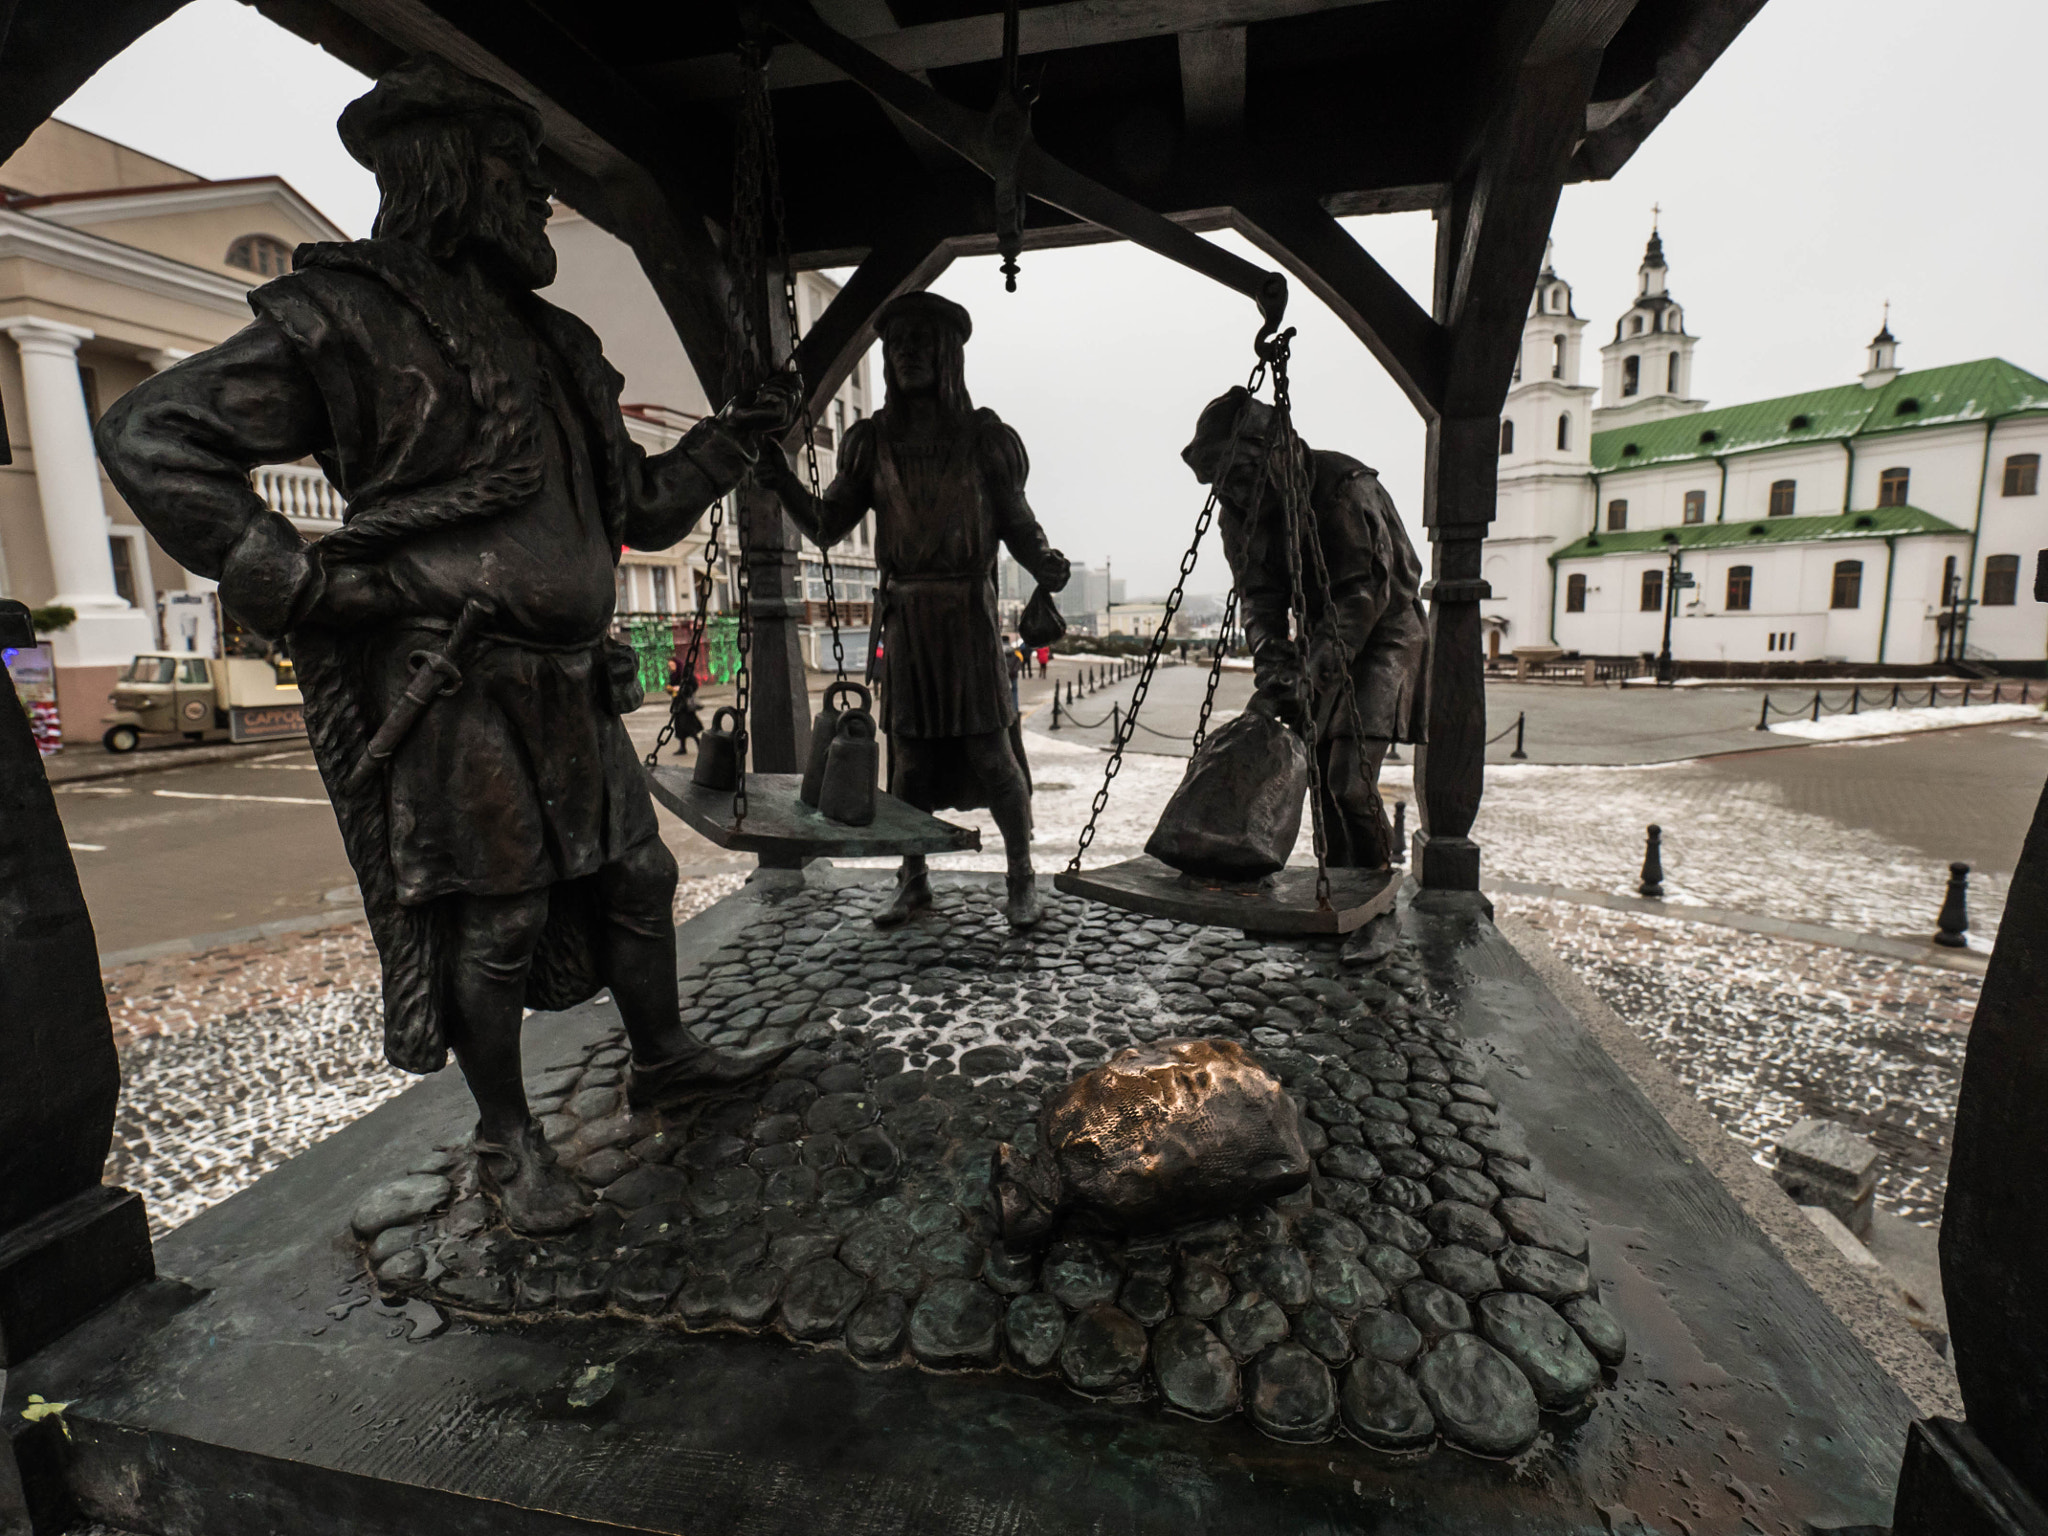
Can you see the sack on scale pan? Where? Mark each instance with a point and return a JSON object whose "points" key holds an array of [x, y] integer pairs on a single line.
{"points": [[1238, 810]]}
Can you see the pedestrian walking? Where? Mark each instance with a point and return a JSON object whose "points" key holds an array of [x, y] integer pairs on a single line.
{"points": [[1044, 660], [1013, 661]]}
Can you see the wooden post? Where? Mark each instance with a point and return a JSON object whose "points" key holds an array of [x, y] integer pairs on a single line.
{"points": [[1450, 766], [779, 700], [69, 1244], [1994, 1245]]}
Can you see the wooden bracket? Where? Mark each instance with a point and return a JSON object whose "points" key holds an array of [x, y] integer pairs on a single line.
{"points": [[1301, 236], [968, 134]]}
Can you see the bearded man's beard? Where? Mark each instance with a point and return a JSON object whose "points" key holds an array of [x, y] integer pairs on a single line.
{"points": [[513, 245]]}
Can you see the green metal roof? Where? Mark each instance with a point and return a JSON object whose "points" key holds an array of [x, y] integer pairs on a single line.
{"points": [[1878, 523], [1931, 397]]}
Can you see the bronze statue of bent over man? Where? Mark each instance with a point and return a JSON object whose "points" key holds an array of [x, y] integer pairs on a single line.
{"points": [[946, 482], [450, 636]]}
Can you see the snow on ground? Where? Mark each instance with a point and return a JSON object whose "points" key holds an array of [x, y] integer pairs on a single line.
{"points": [[1727, 842], [1768, 1031], [1898, 722]]}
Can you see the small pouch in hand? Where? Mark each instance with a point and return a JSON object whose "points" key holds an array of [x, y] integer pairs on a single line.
{"points": [[1040, 623], [622, 691]]}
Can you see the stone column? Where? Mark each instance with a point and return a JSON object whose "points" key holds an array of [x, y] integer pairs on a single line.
{"points": [[108, 632]]}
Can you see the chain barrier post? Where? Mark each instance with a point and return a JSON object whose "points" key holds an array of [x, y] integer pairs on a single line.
{"points": [[1953, 924], [1652, 883], [1520, 719]]}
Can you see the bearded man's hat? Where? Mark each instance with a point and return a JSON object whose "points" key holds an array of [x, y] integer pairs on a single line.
{"points": [[926, 306], [421, 89]]}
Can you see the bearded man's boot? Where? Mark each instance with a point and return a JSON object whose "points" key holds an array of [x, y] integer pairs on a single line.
{"points": [[536, 1196]]}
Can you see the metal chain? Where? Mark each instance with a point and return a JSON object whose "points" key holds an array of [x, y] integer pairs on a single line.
{"points": [[1215, 671], [1187, 567], [712, 555], [1292, 503]]}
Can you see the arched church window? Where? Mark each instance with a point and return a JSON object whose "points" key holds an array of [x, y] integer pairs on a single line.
{"points": [[1848, 592], [1653, 592], [1671, 375], [265, 255], [1739, 579], [1631, 373], [1783, 493], [1617, 516], [1557, 357], [1637, 328], [1557, 300], [1891, 487], [1695, 506], [1564, 432], [2022, 475], [1507, 438], [1575, 594]]}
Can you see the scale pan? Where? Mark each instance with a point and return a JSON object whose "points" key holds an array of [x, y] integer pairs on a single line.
{"points": [[779, 825], [1285, 904]]}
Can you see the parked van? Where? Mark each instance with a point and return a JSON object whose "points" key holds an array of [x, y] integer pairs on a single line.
{"points": [[204, 698]]}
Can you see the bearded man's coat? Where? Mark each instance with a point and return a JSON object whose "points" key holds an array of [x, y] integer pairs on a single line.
{"points": [[414, 390]]}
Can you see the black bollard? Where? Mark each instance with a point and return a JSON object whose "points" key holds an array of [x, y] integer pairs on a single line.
{"points": [[1653, 864], [1520, 720], [1055, 709], [1954, 921], [1116, 723], [1399, 854], [1763, 717]]}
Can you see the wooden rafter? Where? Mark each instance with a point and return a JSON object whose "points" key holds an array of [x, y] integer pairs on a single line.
{"points": [[977, 39]]}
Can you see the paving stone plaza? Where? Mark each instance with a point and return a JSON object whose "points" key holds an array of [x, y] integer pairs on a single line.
{"points": [[840, 1207], [1422, 1285]]}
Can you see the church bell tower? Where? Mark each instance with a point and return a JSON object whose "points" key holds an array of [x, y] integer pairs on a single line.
{"points": [[1646, 371]]}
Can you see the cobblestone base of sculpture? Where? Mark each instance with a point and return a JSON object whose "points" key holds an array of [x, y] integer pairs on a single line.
{"points": [[1423, 1287]]}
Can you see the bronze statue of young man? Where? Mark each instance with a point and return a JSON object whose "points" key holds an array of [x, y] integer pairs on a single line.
{"points": [[449, 637], [946, 482], [1370, 633]]}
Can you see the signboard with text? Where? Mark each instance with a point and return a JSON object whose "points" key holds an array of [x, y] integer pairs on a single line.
{"points": [[266, 722]]}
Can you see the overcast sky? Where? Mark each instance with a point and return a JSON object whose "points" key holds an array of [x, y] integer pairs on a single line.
{"points": [[1841, 153]]}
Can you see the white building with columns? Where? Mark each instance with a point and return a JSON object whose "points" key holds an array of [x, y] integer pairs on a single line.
{"points": [[1889, 520], [114, 264]]}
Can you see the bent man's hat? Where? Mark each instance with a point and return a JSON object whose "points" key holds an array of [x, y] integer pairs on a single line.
{"points": [[420, 89], [924, 306], [1218, 424]]}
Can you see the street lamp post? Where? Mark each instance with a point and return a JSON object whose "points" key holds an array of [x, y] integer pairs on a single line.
{"points": [[1674, 581]]}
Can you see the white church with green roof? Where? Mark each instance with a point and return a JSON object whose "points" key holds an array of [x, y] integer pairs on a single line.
{"points": [[1890, 520]]}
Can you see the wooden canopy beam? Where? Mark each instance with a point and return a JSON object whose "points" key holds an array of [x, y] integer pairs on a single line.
{"points": [[1490, 235], [1312, 245], [973, 137], [1212, 67], [977, 39], [613, 153]]}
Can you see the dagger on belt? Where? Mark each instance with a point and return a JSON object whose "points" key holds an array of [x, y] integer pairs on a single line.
{"points": [[434, 675]]}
